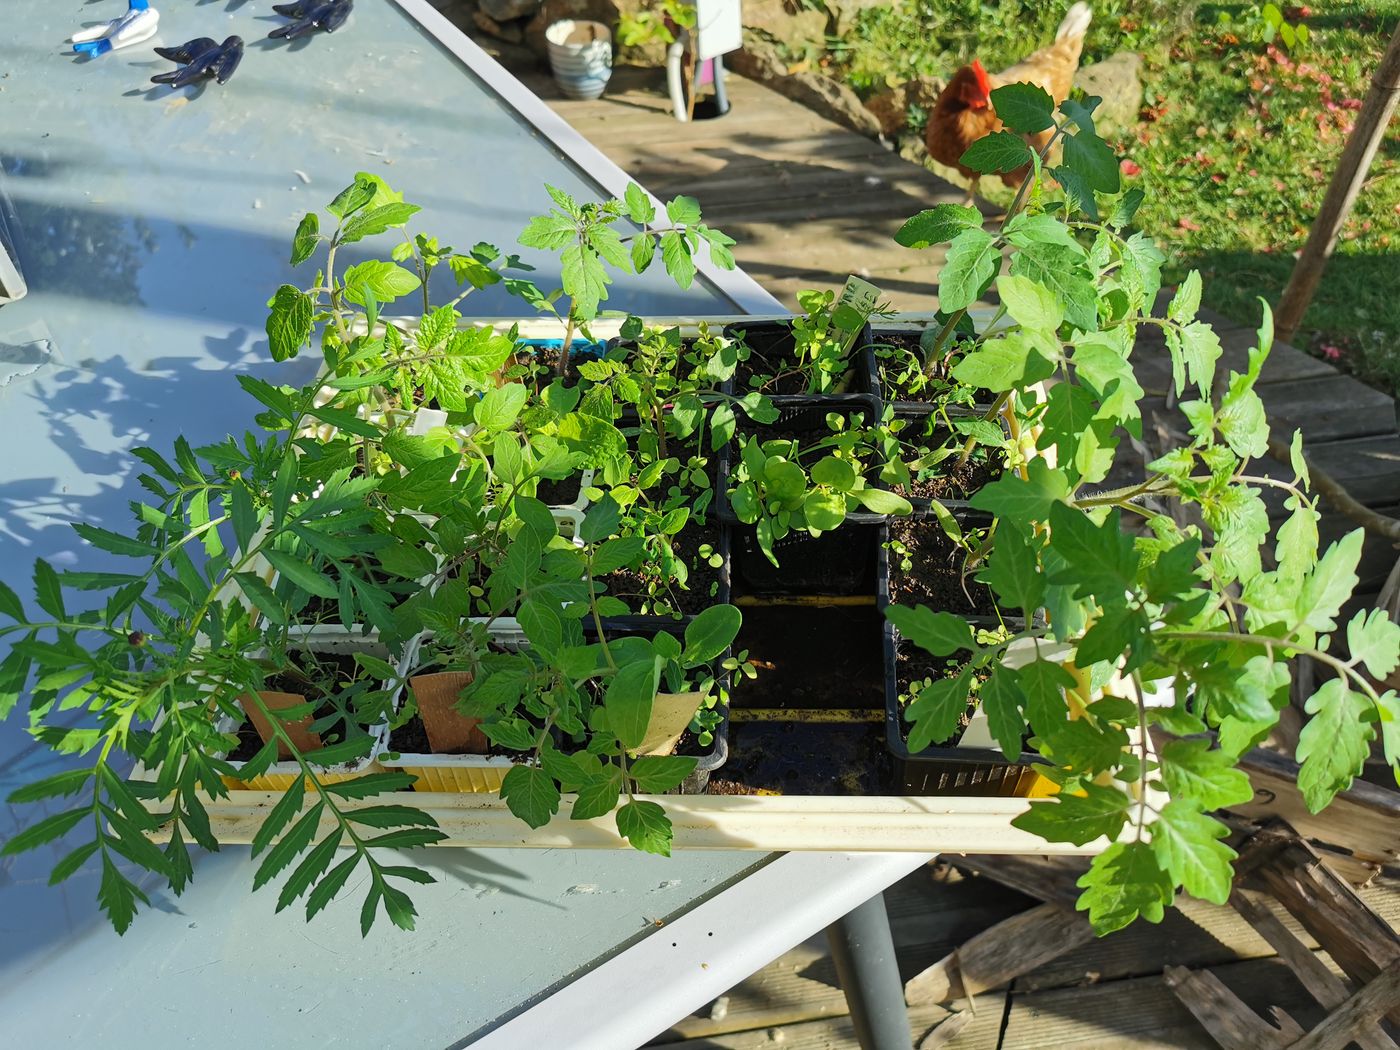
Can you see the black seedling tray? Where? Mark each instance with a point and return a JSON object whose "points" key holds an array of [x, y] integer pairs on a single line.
{"points": [[941, 769]]}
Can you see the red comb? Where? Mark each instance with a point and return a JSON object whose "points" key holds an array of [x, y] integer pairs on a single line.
{"points": [[983, 84]]}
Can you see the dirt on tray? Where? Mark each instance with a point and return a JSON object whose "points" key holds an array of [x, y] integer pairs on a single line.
{"points": [[959, 483], [934, 577], [701, 587], [822, 657]]}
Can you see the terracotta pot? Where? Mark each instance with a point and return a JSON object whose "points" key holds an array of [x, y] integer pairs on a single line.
{"points": [[449, 732], [299, 730]]}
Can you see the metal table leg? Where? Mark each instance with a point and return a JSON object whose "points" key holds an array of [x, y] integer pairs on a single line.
{"points": [[863, 950]]}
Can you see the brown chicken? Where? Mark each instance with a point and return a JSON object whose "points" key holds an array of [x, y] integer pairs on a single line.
{"points": [[963, 113]]}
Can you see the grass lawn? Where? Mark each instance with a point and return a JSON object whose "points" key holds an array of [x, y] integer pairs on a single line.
{"points": [[1237, 142]]}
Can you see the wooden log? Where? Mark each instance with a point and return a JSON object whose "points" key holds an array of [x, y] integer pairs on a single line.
{"points": [[1225, 1016], [1365, 139], [1357, 1014], [1040, 878], [995, 956], [1359, 941], [1322, 984], [946, 1030]]}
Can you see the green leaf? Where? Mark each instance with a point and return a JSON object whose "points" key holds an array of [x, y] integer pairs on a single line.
{"points": [[1122, 883], [368, 786], [1333, 746], [1024, 108], [117, 896], [261, 596], [938, 710], [836, 472], [288, 806], [329, 886], [305, 239], [675, 255], [882, 501], [1003, 702], [301, 574], [390, 816], [500, 407], [1013, 571], [1192, 772], [48, 592], [656, 774], [386, 281], [115, 542], [290, 322], [10, 605], [1330, 584], [45, 830], [1374, 639], [1103, 563], [1003, 363], [1195, 349], [68, 782], [1076, 818], [310, 868], [823, 511], [709, 634], [646, 826], [1030, 304], [639, 206], [938, 224], [939, 633], [598, 796], [377, 220], [1026, 499], [972, 262], [1187, 301], [1001, 151], [1044, 683], [601, 520], [1188, 847], [290, 844], [683, 211], [352, 198], [69, 865], [628, 700], [617, 552], [531, 794], [1060, 269], [1089, 157]]}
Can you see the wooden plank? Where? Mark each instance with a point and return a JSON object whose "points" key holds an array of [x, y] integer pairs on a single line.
{"points": [[1221, 1012], [1329, 408], [1364, 820], [996, 956], [1322, 984], [1358, 1013], [837, 1032]]}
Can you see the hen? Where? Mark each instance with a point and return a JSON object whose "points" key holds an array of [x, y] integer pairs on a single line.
{"points": [[964, 113]]}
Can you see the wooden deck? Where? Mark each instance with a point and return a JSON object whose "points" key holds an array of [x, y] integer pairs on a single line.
{"points": [[808, 201], [1107, 995]]}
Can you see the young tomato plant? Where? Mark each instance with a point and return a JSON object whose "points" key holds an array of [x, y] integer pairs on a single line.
{"points": [[1135, 620]]}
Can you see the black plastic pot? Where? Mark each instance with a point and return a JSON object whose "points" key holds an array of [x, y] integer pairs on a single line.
{"points": [[642, 622], [941, 769], [717, 754], [774, 340], [839, 562], [961, 508]]}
